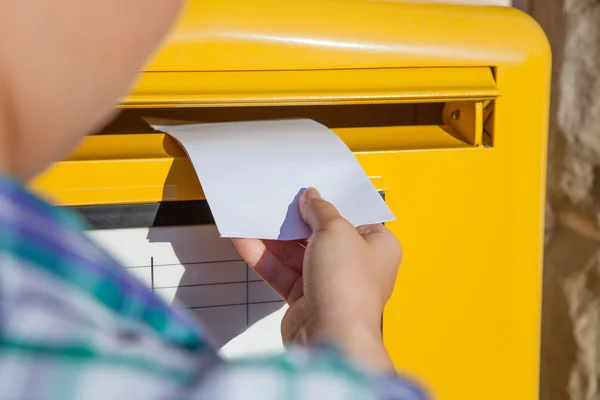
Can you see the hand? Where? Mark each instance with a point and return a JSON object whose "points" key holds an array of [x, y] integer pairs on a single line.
{"points": [[336, 283]]}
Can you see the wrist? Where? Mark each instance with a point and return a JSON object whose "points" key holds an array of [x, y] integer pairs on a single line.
{"points": [[360, 340]]}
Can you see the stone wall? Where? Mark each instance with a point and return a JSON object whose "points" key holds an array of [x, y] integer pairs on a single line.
{"points": [[570, 359], [570, 365]]}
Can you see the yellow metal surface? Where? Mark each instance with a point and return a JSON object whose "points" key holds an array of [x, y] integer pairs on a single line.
{"points": [[231, 88], [465, 120], [270, 35], [465, 314]]}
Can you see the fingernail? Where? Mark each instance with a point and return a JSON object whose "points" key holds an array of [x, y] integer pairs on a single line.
{"points": [[312, 193], [309, 194]]}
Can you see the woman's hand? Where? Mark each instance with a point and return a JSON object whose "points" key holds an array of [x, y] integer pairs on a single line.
{"points": [[336, 283]]}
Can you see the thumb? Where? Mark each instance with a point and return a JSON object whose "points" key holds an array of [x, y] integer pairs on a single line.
{"points": [[316, 212]]}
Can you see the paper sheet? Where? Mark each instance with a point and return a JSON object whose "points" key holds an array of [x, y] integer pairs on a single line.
{"points": [[192, 267], [253, 174]]}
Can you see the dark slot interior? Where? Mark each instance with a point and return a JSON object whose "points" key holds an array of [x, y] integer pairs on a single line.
{"points": [[169, 213], [122, 216], [332, 116]]}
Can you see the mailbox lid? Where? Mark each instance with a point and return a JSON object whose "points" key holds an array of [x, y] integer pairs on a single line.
{"points": [[311, 87], [234, 35]]}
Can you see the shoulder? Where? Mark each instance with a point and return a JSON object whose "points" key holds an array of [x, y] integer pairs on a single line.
{"points": [[44, 250]]}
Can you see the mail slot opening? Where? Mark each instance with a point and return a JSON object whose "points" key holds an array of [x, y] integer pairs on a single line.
{"points": [[364, 127], [147, 166]]}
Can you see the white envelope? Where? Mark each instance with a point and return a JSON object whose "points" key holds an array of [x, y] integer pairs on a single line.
{"points": [[253, 174]]}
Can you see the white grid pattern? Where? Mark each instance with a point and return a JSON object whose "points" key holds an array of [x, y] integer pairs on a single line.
{"points": [[192, 267]]}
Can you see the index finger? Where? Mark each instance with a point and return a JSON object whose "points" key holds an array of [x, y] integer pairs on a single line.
{"points": [[266, 265]]}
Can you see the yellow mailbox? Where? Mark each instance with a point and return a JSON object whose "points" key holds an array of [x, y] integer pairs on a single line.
{"points": [[444, 106]]}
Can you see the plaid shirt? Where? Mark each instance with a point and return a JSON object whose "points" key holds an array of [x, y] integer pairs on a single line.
{"points": [[75, 325]]}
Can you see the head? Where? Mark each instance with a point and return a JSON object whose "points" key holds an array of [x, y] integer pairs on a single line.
{"points": [[64, 64]]}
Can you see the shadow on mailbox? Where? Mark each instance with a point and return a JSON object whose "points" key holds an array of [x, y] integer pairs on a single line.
{"points": [[240, 311]]}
